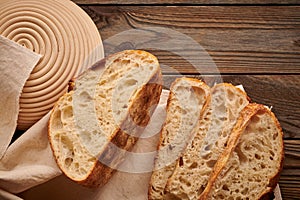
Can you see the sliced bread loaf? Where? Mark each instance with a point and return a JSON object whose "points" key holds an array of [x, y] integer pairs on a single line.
{"points": [[93, 126], [186, 99], [249, 166], [217, 119]]}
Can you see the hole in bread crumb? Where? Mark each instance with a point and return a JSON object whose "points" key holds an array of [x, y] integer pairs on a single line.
{"points": [[271, 158], [67, 113], [231, 95], [262, 165], [181, 162], [188, 184], [200, 190], [208, 147], [68, 161], [247, 147], [193, 165], [206, 118], [241, 101], [245, 191], [211, 163], [76, 165], [242, 157], [225, 187], [220, 196], [57, 123], [130, 82], [257, 157], [70, 98], [225, 144], [223, 118], [125, 62], [217, 143], [153, 188], [275, 135]]}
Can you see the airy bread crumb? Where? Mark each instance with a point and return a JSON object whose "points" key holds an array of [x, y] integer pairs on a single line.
{"points": [[218, 117], [92, 127], [250, 165], [185, 102]]}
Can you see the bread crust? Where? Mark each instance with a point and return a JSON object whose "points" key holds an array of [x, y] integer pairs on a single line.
{"points": [[147, 96], [172, 189], [196, 85], [249, 111], [171, 95], [136, 119]]}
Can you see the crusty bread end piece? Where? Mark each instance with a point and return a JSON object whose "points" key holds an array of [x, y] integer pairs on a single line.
{"points": [[186, 99], [93, 126], [250, 165], [217, 119]]}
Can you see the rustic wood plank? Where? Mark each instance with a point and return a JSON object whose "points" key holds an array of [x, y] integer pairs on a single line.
{"points": [[292, 154], [282, 92], [256, 46], [239, 39], [290, 177], [290, 183], [202, 2]]}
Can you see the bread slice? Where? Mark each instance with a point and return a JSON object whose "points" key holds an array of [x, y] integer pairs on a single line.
{"points": [[93, 126], [217, 119], [186, 99], [250, 165]]}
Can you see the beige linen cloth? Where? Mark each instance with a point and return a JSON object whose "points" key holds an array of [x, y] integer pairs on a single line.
{"points": [[28, 161], [16, 64], [28, 169]]}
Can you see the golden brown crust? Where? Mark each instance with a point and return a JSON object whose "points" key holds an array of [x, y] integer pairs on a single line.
{"points": [[160, 133], [195, 85], [244, 119], [241, 123], [206, 87], [273, 181], [205, 109], [168, 104], [49, 131], [147, 96], [144, 99]]}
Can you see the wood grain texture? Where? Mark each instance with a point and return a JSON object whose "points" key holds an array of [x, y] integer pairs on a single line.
{"points": [[239, 39], [290, 177], [256, 46], [201, 2]]}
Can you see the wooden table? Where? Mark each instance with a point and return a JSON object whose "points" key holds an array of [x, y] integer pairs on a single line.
{"points": [[255, 44]]}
